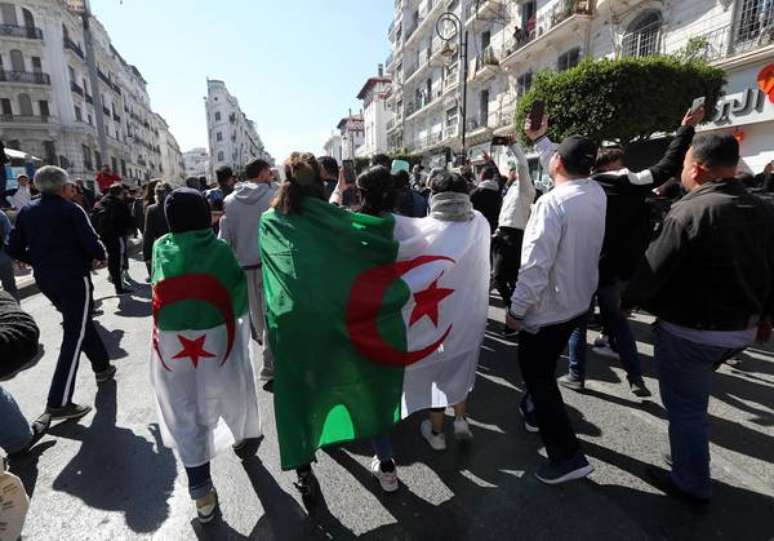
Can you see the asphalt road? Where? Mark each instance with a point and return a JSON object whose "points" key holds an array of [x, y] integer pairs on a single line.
{"points": [[109, 477]]}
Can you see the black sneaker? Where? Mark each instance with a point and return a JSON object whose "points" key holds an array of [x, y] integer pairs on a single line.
{"points": [[663, 481], [70, 411], [530, 423], [554, 473], [571, 381], [308, 486], [39, 429], [639, 388], [106, 375]]}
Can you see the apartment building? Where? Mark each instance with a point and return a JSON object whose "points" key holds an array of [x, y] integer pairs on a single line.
{"points": [[67, 96], [233, 138], [376, 114], [332, 147], [352, 133], [172, 165], [196, 162]]}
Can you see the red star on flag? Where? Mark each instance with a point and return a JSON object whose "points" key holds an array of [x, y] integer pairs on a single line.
{"points": [[427, 303], [193, 349]]}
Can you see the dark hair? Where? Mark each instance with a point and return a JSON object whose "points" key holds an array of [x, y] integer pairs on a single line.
{"points": [[116, 189], [489, 172], [255, 167], [715, 150], [607, 156], [448, 182], [149, 193], [402, 179], [381, 159], [302, 179], [747, 179], [223, 174], [329, 165], [377, 187]]}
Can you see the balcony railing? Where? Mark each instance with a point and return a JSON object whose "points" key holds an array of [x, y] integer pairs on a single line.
{"points": [[75, 88], [89, 99], [486, 58], [116, 118], [28, 119], [29, 32], [74, 47], [30, 77], [567, 8]]}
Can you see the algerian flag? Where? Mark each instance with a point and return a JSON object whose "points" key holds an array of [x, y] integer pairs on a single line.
{"points": [[370, 319], [200, 360]]}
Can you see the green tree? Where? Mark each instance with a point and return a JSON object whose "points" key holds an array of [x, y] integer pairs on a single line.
{"points": [[622, 100]]}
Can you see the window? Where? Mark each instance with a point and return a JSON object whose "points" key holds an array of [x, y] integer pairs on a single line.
{"points": [[486, 39], [37, 66], [113, 164], [220, 156], [429, 95], [569, 59], [5, 105], [219, 136], [484, 107], [71, 71], [643, 37], [78, 114], [91, 120], [123, 168], [44, 110], [87, 164], [25, 105], [98, 158], [523, 84], [217, 116], [17, 60], [9, 14], [528, 16], [29, 20], [49, 149]]}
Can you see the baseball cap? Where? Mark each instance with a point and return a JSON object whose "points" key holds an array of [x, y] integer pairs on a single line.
{"points": [[578, 154]]}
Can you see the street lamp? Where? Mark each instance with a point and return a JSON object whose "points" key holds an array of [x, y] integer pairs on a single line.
{"points": [[448, 26]]}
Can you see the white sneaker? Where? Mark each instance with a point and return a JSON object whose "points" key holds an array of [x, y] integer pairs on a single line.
{"points": [[387, 480], [206, 507], [462, 429], [436, 441]]}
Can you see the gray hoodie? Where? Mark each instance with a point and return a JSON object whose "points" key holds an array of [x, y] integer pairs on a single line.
{"points": [[239, 225]]}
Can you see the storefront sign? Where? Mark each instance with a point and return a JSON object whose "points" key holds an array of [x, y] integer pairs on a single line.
{"points": [[746, 100]]}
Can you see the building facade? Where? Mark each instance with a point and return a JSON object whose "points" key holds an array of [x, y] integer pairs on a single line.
{"points": [[510, 41], [332, 147], [376, 114], [172, 165], [352, 133], [196, 162], [68, 97], [233, 138]]}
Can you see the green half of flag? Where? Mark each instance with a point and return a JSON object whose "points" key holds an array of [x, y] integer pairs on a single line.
{"points": [[325, 392], [197, 282]]}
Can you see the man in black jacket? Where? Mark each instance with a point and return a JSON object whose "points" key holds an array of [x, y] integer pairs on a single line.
{"points": [[156, 225], [486, 197], [709, 279], [626, 239], [116, 223], [57, 239]]}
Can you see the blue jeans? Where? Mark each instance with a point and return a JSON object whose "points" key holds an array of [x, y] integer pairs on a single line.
{"points": [[621, 337], [16, 432], [7, 276], [199, 481], [382, 447], [685, 371]]}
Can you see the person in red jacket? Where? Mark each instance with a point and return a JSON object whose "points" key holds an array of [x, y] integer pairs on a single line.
{"points": [[106, 178]]}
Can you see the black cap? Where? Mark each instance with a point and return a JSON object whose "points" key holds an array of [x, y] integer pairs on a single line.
{"points": [[578, 154], [186, 210]]}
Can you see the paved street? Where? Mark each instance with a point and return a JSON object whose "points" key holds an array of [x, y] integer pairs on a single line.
{"points": [[108, 477]]}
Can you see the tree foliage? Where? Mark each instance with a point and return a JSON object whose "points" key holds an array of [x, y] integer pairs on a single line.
{"points": [[622, 100]]}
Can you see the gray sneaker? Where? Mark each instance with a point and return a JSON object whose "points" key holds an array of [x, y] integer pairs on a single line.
{"points": [[71, 411], [554, 473], [571, 381]]}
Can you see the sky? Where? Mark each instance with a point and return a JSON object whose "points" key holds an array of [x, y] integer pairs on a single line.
{"points": [[295, 66]]}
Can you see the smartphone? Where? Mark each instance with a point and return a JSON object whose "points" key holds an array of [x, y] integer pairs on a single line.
{"points": [[536, 114], [501, 141], [698, 102], [349, 171]]}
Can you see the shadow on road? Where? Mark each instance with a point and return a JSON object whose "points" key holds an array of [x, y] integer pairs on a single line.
{"points": [[26, 466], [112, 340], [116, 469]]}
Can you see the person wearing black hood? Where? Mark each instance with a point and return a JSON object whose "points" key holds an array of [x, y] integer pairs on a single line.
{"points": [[114, 223], [155, 223], [486, 197]]}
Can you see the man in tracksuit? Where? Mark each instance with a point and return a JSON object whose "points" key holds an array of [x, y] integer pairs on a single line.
{"points": [[116, 227], [57, 239]]}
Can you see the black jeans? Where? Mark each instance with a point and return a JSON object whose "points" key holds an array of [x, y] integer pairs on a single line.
{"points": [[116, 248], [538, 355], [72, 296], [506, 260], [199, 481]]}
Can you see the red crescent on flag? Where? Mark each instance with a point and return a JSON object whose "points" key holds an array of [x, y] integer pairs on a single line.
{"points": [[365, 301], [196, 287]]}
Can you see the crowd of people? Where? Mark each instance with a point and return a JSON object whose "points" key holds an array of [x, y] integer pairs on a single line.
{"points": [[706, 274]]}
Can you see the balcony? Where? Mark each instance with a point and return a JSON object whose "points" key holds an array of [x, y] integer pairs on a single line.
{"points": [[116, 118], [25, 119], [89, 99], [485, 10], [485, 65], [28, 77], [75, 88], [14, 31], [74, 47], [559, 27], [106, 111], [427, 17]]}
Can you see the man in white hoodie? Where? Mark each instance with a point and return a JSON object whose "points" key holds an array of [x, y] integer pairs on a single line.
{"points": [[558, 276], [239, 228]]}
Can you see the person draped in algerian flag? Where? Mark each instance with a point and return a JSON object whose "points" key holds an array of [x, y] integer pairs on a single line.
{"points": [[370, 318], [200, 360]]}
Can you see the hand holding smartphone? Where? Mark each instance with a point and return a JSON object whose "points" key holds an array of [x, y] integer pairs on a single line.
{"points": [[536, 114]]}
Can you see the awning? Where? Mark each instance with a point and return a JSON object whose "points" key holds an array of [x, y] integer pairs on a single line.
{"points": [[19, 155]]}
